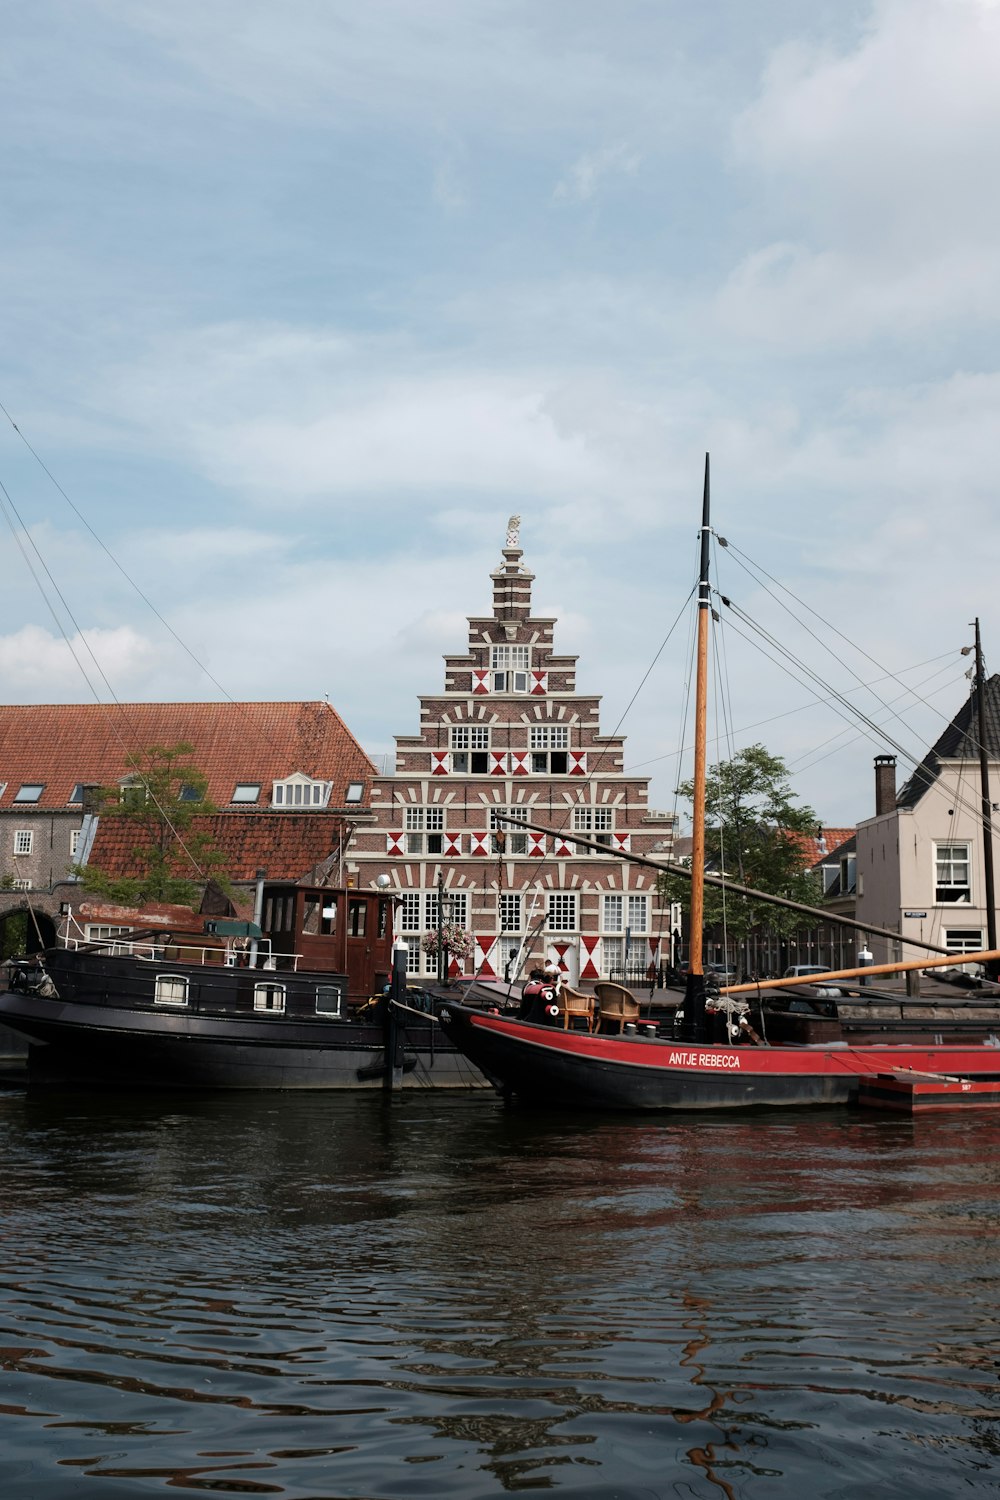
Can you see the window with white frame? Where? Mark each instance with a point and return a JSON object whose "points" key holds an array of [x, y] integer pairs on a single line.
{"points": [[548, 744], [963, 939], [74, 841], [412, 955], [597, 821], [509, 665], [423, 827], [22, 884], [548, 737], [638, 913], [512, 841], [329, 1000], [269, 996], [171, 989], [510, 911], [470, 745], [98, 933], [613, 915], [23, 841], [408, 912], [561, 913], [508, 949], [952, 879], [459, 907], [300, 791], [612, 957]]}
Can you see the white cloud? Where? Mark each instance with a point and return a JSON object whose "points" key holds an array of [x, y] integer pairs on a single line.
{"points": [[37, 666], [589, 171]]}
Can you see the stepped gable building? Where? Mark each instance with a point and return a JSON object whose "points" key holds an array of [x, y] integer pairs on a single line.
{"points": [[510, 733]]}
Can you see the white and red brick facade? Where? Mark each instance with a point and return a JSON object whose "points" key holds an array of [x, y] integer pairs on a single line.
{"points": [[510, 733]]}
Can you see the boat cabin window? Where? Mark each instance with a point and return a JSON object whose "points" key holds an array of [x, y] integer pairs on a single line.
{"points": [[171, 989], [329, 1000], [357, 912], [269, 997], [310, 918], [279, 912], [103, 934]]}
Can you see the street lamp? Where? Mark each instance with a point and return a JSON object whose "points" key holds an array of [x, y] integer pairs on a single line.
{"points": [[446, 908]]}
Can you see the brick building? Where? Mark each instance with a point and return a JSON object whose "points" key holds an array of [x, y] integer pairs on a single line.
{"points": [[509, 732], [289, 780]]}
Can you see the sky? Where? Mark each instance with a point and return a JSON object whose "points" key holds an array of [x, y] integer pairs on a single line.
{"points": [[303, 301]]}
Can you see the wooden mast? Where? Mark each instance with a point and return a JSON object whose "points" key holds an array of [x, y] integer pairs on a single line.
{"points": [[986, 803], [694, 995]]}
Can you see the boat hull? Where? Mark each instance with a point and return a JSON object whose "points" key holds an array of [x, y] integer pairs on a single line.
{"points": [[102, 1026], [542, 1065]]}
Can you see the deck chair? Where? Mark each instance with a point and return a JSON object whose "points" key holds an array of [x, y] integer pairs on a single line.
{"points": [[617, 1004], [575, 1005]]}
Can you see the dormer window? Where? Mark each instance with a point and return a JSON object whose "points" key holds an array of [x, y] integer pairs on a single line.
{"points": [[30, 791], [246, 791], [300, 791], [355, 791]]}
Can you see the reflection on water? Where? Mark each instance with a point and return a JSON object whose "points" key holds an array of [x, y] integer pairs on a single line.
{"points": [[311, 1296]]}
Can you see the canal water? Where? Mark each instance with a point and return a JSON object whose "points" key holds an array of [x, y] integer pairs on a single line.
{"points": [[311, 1296]]}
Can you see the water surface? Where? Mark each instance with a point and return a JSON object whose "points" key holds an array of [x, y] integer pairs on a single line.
{"points": [[312, 1296]]}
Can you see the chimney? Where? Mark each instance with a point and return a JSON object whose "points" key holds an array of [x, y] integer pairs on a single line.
{"points": [[885, 784]]}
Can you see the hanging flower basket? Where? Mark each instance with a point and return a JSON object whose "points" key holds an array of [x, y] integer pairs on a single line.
{"points": [[455, 941]]}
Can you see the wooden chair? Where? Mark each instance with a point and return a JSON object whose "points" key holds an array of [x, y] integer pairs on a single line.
{"points": [[617, 1004], [573, 1005]]}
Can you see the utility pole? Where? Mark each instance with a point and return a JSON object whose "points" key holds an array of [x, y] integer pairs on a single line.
{"points": [[987, 805]]}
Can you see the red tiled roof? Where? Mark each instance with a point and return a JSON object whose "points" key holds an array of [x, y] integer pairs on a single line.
{"points": [[285, 844], [833, 838], [59, 745]]}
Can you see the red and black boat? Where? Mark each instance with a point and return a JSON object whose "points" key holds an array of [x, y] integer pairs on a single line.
{"points": [[679, 1064]]}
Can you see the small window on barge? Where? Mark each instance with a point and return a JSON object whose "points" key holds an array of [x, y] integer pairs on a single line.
{"points": [[329, 1001], [171, 989], [269, 997]]}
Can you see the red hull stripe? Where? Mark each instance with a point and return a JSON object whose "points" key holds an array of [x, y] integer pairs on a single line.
{"points": [[747, 1062]]}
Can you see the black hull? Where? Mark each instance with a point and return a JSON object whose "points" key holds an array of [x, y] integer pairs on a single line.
{"points": [[544, 1066], [104, 1028]]}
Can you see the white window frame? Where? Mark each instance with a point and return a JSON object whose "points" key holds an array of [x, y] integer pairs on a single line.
{"points": [[330, 1001], [509, 668], [409, 912], [169, 985], [24, 840], [75, 836], [612, 954], [515, 843], [269, 997], [613, 912], [638, 913], [562, 912], [423, 828], [510, 911], [947, 861], [548, 737], [300, 792], [22, 883]]}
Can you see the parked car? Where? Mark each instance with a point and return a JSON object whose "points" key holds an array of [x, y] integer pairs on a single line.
{"points": [[801, 971], [720, 973]]}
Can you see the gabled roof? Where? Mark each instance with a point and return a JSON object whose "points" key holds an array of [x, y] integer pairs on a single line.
{"points": [[58, 746], [823, 846], [288, 845], [960, 741]]}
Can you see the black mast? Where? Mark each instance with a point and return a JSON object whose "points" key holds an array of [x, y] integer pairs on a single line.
{"points": [[987, 806]]}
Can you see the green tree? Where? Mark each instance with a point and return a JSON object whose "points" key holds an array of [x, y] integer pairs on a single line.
{"points": [[754, 835], [157, 802]]}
